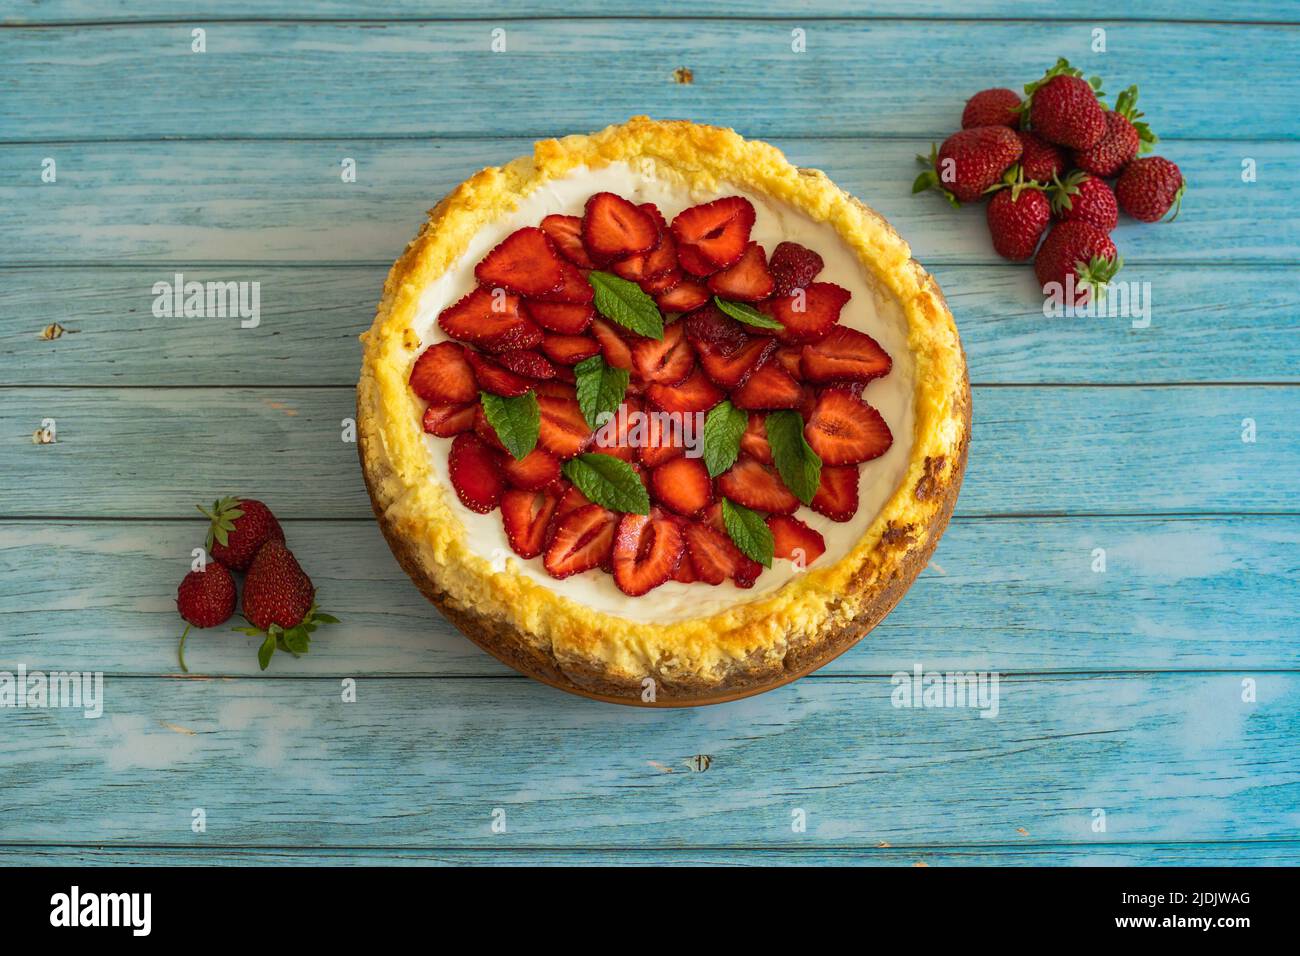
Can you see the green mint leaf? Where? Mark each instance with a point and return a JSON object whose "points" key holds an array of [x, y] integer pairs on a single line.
{"points": [[265, 651], [723, 429], [750, 532], [627, 304], [515, 420], [743, 312], [799, 466], [600, 388], [609, 482]]}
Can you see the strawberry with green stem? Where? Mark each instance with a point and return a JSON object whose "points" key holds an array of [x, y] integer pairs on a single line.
{"points": [[280, 603], [237, 530]]}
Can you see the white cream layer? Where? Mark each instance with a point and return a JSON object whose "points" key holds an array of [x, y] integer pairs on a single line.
{"points": [[869, 310]]}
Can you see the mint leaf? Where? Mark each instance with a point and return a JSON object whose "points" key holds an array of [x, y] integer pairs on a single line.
{"points": [[627, 304], [799, 466], [723, 429], [750, 532], [515, 420], [600, 388], [609, 482], [743, 312]]}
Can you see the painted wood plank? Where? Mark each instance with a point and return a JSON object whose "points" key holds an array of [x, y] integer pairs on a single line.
{"points": [[277, 79], [286, 201], [310, 318], [1263, 853], [1068, 450], [1012, 595], [1168, 758]]}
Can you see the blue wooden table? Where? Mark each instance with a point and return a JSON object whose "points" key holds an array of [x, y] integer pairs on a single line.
{"points": [[1149, 711]]}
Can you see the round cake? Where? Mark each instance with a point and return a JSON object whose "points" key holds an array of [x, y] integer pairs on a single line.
{"points": [[656, 417]]}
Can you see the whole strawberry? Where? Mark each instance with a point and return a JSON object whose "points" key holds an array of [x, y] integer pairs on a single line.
{"points": [[1017, 221], [995, 107], [1124, 138], [238, 528], [968, 163], [1041, 161], [1149, 187], [204, 599], [279, 603], [1064, 109], [1084, 198], [1076, 261]]}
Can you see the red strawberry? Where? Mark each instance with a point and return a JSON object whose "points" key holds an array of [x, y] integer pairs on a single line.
{"points": [[1041, 161], [582, 539], [747, 280], [768, 386], [575, 289], [1076, 256], [1084, 198], [995, 107], [694, 262], [535, 470], [810, 313], [475, 472], [1148, 188], [837, 495], [714, 558], [1063, 108], [497, 379], [844, 430], [1125, 136], [646, 552], [682, 485], [754, 442], [659, 261], [663, 443], [794, 540], [685, 571], [527, 363], [793, 267], [567, 318], [731, 369], [666, 361], [757, 486], [571, 500], [276, 589], [486, 433], [790, 356], [448, 420], [207, 598], [237, 529], [524, 262], [613, 228], [713, 517], [1017, 220], [617, 353], [968, 163], [442, 376], [846, 355], [660, 284], [683, 297], [527, 517], [615, 437], [716, 232], [563, 431], [695, 394], [569, 349], [565, 233], [491, 320]]}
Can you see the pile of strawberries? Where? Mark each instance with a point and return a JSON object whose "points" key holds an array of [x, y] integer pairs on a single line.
{"points": [[1044, 162], [279, 598], [618, 312]]}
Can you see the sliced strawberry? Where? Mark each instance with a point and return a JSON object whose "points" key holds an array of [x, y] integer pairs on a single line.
{"points": [[791, 358], [808, 314], [665, 361], [582, 540], [713, 517], [441, 375], [572, 500], [495, 378], [537, 469], [613, 438], [485, 431], [565, 233], [563, 431], [754, 442], [527, 363], [710, 326], [613, 228], [714, 558], [612, 344], [569, 349], [693, 262], [659, 261], [575, 289], [758, 486], [490, 320], [524, 262], [567, 318], [685, 571], [660, 284], [555, 390], [695, 394], [717, 231], [646, 552], [844, 431], [845, 355], [837, 495], [731, 369], [448, 420], [793, 266], [564, 373], [663, 441], [683, 297], [794, 540], [682, 485], [768, 386], [527, 517], [475, 472], [748, 280]]}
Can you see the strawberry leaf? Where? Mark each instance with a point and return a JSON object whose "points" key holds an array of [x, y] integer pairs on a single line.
{"points": [[799, 466], [515, 420], [723, 429], [742, 312], [749, 531], [627, 304], [600, 388], [265, 651], [609, 482]]}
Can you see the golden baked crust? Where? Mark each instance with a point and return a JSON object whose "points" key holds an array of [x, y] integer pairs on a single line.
{"points": [[751, 646]]}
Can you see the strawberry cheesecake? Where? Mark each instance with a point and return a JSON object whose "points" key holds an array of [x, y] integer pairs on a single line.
{"points": [[654, 416]]}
